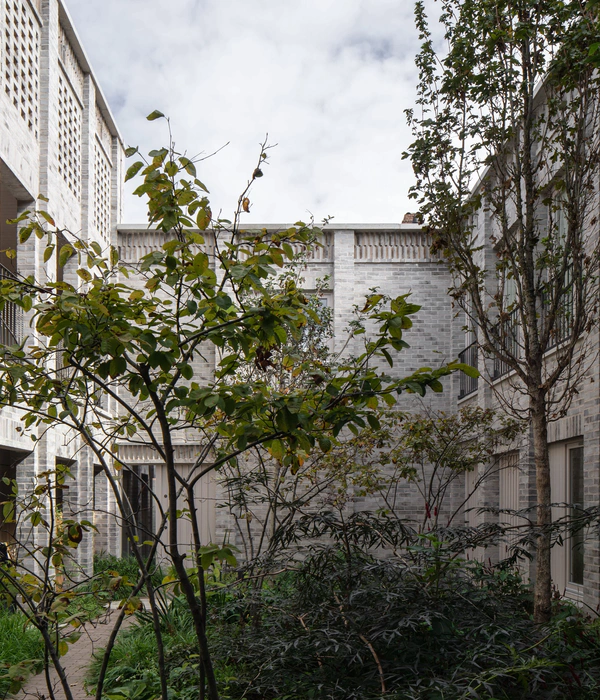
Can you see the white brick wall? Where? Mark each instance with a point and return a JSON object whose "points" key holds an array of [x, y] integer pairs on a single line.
{"points": [[52, 115]]}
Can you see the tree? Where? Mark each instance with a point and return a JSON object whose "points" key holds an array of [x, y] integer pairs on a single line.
{"points": [[509, 129], [430, 451], [140, 334]]}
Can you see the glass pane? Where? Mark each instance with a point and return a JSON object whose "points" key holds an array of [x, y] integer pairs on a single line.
{"points": [[576, 499]]}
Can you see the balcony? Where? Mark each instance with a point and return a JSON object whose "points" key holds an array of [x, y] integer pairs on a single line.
{"points": [[562, 326], [11, 316], [468, 356], [508, 340]]}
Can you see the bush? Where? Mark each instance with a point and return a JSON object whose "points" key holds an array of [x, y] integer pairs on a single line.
{"points": [[18, 642], [127, 567], [343, 624], [133, 670], [430, 627]]}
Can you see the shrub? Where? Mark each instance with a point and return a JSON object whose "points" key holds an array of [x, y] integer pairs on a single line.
{"points": [[133, 670], [18, 643], [127, 567], [424, 625]]}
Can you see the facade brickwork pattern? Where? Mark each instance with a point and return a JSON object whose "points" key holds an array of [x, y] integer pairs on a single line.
{"points": [[20, 60]]}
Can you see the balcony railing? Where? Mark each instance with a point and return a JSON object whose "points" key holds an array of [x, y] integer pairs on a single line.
{"points": [[563, 320], [11, 316], [508, 340], [469, 357]]}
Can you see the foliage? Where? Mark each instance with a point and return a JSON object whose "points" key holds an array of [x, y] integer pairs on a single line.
{"points": [[43, 580], [419, 456], [125, 567], [167, 338], [435, 627], [21, 648], [344, 624], [427, 452], [134, 669]]}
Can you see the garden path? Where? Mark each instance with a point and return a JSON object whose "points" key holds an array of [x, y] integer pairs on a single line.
{"points": [[75, 662]]}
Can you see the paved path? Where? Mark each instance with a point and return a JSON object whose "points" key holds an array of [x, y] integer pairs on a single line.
{"points": [[75, 662]]}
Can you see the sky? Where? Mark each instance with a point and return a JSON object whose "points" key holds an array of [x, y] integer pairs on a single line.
{"points": [[327, 80]]}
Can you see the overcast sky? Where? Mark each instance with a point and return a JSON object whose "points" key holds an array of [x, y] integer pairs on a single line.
{"points": [[329, 81]]}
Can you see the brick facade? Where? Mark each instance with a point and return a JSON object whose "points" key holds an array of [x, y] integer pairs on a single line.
{"points": [[58, 138], [55, 127]]}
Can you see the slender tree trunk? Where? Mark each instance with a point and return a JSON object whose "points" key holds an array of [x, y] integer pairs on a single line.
{"points": [[200, 574], [177, 558], [53, 652], [543, 580]]}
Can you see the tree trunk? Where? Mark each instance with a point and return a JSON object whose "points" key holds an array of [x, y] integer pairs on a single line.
{"points": [[177, 558], [543, 580]]}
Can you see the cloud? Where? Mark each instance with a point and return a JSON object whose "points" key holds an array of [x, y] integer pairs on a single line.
{"points": [[328, 80]]}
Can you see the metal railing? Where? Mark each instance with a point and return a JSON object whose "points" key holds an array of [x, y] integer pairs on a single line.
{"points": [[11, 316], [507, 332], [563, 319], [469, 357]]}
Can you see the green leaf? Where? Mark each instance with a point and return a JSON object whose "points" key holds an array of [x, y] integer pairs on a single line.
{"points": [[131, 151], [118, 365], [186, 371], [373, 421], [8, 511], [466, 369], [387, 356], [288, 250], [204, 218], [372, 301], [277, 449], [171, 168], [325, 444], [188, 166], [25, 233], [136, 295], [48, 252], [85, 275], [154, 115], [66, 252], [47, 217], [133, 170]]}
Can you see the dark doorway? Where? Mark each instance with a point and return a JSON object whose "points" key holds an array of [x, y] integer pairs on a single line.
{"points": [[9, 459], [137, 490]]}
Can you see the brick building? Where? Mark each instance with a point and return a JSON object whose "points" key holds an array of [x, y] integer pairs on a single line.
{"points": [[57, 137]]}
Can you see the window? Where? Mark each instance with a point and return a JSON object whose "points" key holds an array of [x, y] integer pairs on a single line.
{"points": [[567, 481], [469, 356], [576, 505], [509, 500], [507, 328], [558, 293]]}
